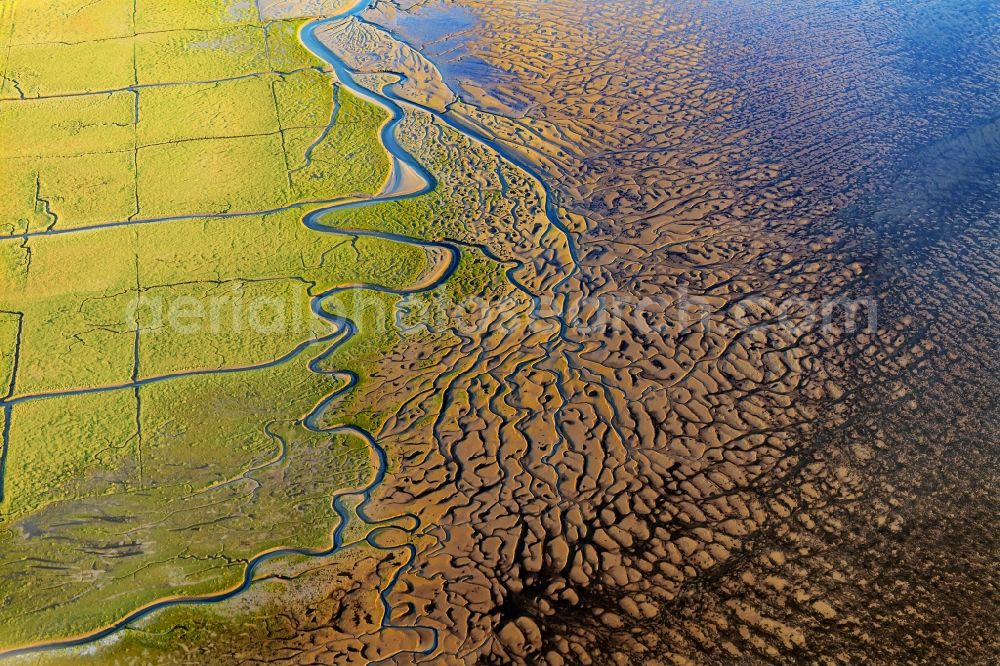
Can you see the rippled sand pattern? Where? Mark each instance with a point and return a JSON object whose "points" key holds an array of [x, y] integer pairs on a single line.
{"points": [[620, 483], [642, 444]]}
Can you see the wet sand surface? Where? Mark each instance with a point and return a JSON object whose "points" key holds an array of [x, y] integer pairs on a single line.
{"points": [[734, 399], [756, 485]]}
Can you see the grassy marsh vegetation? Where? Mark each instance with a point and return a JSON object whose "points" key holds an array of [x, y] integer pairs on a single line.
{"points": [[117, 182]]}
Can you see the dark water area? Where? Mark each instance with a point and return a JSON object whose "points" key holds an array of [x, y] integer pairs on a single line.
{"points": [[441, 31], [894, 76], [891, 111]]}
